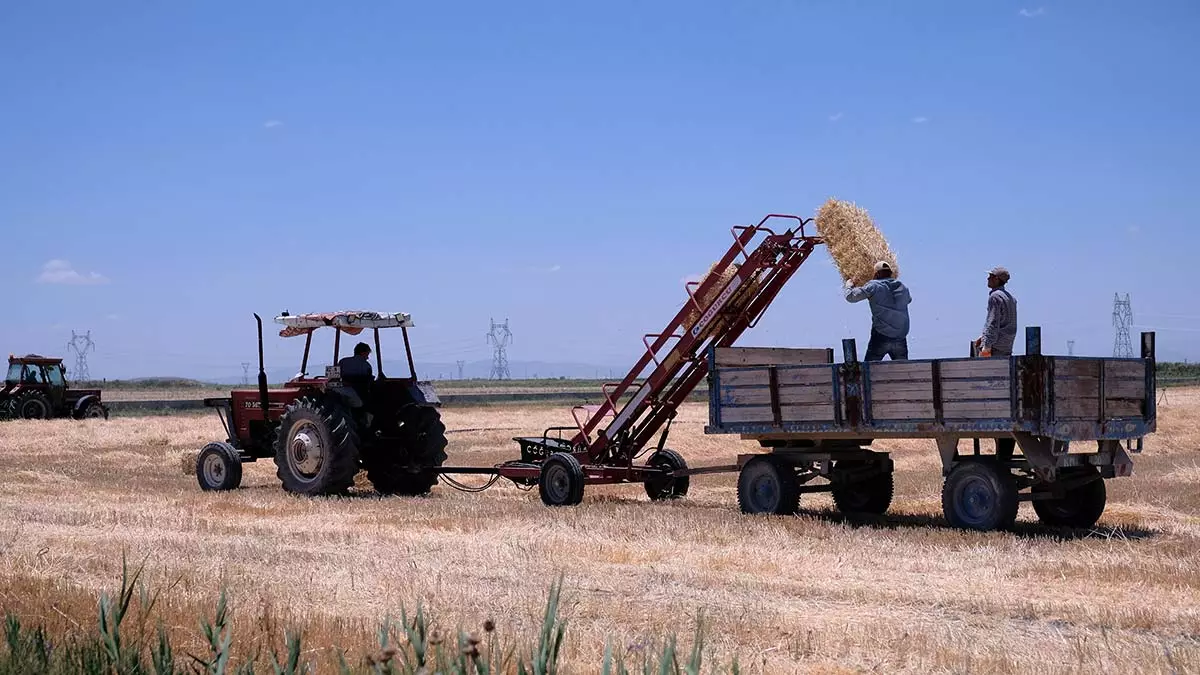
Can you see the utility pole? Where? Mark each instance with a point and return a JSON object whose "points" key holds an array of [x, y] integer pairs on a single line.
{"points": [[1122, 322], [460, 368], [81, 344], [500, 337], [1070, 348], [245, 373]]}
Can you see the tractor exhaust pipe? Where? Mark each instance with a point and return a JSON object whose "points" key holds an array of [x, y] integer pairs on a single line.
{"points": [[263, 399]]}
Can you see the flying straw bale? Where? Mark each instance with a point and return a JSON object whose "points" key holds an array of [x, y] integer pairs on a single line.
{"points": [[853, 241]]}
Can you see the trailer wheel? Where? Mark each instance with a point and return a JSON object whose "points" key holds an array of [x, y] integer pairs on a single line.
{"points": [[94, 410], [669, 487], [767, 484], [561, 480], [424, 449], [218, 467], [31, 405], [980, 496], [1080, 506], [316, 448], [873, 495]]}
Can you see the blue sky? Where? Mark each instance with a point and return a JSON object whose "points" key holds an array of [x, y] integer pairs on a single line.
{"points": [[168, 168]]}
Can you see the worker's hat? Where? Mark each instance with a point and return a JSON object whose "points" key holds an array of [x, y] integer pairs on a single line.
{"points": [[882, 265], [999, 272]]}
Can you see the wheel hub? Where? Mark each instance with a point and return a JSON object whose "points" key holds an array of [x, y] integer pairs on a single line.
{"points": [[214, 469], [766, 492], [33, 409], [558, 483], [977, 500], [307, 452]]}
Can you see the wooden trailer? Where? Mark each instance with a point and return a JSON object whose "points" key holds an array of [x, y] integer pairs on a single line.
{"points": [[1074, 421]]}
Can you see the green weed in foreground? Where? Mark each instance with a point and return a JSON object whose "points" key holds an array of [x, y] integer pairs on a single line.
{"points": [[124, 644]]}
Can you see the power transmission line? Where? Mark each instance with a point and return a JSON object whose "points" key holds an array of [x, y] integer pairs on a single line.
{"points": [[245, 372], [1122, 322], [460, 368], [500, 337], [81, 344], [1070, 348]]}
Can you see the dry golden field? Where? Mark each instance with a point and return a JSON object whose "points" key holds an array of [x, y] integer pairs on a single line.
{"points": [[811, 593]]}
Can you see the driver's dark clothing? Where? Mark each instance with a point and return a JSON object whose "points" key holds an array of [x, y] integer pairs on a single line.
{"points": [[354, 367]]}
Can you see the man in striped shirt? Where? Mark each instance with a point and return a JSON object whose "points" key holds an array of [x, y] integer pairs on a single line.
{"points": [[1000, 328]]}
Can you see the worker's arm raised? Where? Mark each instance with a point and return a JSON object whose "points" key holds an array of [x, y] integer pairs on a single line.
{"points": [[860, 293]]}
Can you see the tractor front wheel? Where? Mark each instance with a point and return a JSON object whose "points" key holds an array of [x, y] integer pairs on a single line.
{"points": [[316, 448], [31, 405], [412, 473], [218, 467]]}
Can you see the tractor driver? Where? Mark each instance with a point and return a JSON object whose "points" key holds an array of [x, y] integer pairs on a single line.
{"points": [[356, 371]]}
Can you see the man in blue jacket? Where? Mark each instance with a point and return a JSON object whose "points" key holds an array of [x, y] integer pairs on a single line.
{"points": [[889, 300]]}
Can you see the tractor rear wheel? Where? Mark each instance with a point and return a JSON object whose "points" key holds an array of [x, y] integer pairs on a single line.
{"points": [[424, 442], [31, 405], [316, 448], [218, 467], [669, 487]]}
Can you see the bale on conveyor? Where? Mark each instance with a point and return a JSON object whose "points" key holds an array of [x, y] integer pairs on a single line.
{"points": [[706, 299], [853, 241]]}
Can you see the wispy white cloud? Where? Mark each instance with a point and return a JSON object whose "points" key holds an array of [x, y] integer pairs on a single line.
{"points": [[1135, 230], [61, 272], [555, 268], [113, 317], [1032, 13], [920, 120], [835, 117], [271, 124]]}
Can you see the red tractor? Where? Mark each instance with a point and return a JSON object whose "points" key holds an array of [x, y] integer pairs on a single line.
{"points": [[36, 388], [321, 430]]}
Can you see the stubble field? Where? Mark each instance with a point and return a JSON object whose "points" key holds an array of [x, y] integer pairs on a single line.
{"points": [[811, 593]]}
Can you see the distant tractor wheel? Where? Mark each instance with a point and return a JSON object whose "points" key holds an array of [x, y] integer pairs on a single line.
{"points": [[669, 487], [218, 467], [1081, 506], [872, 495], [767, 484], [31, 405], [561, 480], [94, 410], [980, 496], [424, 436], [316, 448]]}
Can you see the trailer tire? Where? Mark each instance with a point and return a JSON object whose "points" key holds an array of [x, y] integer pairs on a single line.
{"points": [[670, 487], [1080, 507], [561, 480], [94, 410], [424, 449], [767, 484], [218, 467], [316, 448], [873, 495], [32, 405], [980, 496]]}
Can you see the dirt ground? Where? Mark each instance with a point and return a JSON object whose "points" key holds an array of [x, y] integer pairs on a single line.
{"points": [[810, 593]]}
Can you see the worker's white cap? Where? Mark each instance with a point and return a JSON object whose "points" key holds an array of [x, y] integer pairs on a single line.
{"points": [[999, 272], [882, 265]]}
